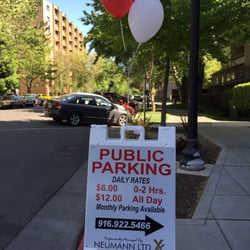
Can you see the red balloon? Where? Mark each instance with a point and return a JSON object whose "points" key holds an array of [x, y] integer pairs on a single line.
{"points": [[117, 8]]}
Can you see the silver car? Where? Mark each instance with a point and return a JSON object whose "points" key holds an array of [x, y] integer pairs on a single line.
{"points": [[30, 100]]}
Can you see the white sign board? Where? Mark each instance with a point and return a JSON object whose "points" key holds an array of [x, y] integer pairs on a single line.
{"points": [[130, 191]]}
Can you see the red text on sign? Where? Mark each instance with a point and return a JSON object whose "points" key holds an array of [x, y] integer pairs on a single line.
{"points": [[131, 168], [131, 155]]}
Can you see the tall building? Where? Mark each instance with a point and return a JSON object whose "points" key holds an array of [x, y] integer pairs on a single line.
{"points": [[64, 38]]}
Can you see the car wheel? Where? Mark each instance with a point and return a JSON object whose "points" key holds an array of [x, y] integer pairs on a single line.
{"points": [[74, 119], [122, 120]]}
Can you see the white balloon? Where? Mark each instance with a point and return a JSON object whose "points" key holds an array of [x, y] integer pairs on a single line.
{"points": [[145, 18]]}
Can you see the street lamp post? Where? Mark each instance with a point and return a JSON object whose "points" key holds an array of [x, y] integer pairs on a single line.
{"points": [[193, 161]]}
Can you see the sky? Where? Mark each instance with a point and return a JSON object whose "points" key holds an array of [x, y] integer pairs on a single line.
{"points": [[73, 9]]}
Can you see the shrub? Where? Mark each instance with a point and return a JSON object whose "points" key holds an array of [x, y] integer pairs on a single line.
{"points": [[217, 103], [241, 97]]}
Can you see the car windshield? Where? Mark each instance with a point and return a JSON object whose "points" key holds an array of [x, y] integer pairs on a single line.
{"points": [[29, 96], [9, 97], [65, 98], [102, 102]]}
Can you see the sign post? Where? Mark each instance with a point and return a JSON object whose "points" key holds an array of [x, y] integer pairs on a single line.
{"points": [[130, 191]]}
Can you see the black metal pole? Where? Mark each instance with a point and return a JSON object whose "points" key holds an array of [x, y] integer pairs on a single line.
{"points": [[144, 96], [194, 56], [192, 146]]}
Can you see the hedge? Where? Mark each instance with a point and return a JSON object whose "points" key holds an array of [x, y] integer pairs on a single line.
{"points": [[241, 97]]}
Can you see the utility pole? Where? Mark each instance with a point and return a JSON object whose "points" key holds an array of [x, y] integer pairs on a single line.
{"points": [[193, 161]]}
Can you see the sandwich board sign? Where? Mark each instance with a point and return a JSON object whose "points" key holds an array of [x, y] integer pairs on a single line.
{"points": [[130, 202]]}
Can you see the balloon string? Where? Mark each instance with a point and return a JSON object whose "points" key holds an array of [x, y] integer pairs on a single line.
{"points": [[133, 57], [130, 68], [123, 40], [139, 45]]}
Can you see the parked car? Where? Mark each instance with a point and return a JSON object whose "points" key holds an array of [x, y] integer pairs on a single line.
{"points": [[87, 108], [11, 101], [42, 98], [30, 100]]}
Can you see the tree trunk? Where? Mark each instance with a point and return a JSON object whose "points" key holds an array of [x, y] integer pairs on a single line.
{"points": [[184, 89], [29, 87], [164, 93]]}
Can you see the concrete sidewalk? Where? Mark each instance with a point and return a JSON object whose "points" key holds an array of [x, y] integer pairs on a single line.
{"points": [[221, 220]]}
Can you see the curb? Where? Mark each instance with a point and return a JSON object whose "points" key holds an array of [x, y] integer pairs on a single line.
{"points": [[201, 212]]}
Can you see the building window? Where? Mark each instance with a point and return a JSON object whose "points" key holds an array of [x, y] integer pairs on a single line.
{"points": [[240, 75], [238, 51], [57, 46], [48, 8], [64, 41], [70, 27], [56, 13]]}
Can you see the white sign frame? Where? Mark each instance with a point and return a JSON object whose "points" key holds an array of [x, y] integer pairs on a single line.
{"points": [[130, 201]]}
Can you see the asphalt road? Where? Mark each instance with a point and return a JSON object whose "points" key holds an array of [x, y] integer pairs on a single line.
{"points": [[37, 156]]}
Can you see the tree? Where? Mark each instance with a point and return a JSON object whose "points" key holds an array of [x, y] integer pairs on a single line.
{"points": [[33, 54], [27, 45], [172, 42], [8, 65], [81, 69], [73, 72]]}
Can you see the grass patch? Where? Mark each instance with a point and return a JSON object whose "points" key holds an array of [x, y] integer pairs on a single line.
{"points": [[152, 117], [155, 117]]}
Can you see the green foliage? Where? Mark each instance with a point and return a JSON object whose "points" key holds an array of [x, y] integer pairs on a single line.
{"points": [[173, 40], [109, 71], [33, 53], [81, 67], [10, 84], [217, 103], [80, 71], [225, 101], [26, 46], [141, 119], [212, 65], [216, 34], [19, 10], [7, 61], [241, 97]]}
